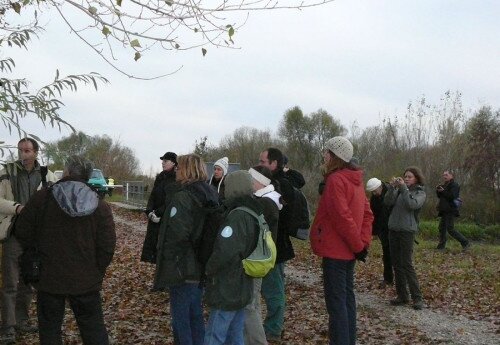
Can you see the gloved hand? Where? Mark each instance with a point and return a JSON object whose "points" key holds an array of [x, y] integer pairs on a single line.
{"points": [[361, 256], [153, 217]]}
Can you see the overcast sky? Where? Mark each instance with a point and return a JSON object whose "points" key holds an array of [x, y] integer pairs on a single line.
{"points": [[357, 59]]}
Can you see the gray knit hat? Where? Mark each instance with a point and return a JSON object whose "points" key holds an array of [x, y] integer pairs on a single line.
{"points": [[238, 183], [341, 147]]}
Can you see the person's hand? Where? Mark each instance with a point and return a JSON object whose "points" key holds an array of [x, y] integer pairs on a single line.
{"points": [[439, 188], [154, 218], [19, 208], [361, 256]]}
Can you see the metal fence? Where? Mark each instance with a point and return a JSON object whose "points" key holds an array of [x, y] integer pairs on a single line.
{"points": [[135, 193]]}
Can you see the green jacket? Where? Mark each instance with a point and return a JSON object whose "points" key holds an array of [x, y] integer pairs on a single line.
{"points": [[180, 229], [228, 287], [406, 203]]}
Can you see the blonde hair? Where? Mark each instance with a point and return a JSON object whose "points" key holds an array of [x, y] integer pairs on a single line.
{"points": [[190, 168]]}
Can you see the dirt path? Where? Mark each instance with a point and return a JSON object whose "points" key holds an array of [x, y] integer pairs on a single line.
{"points": [[437, 326]]}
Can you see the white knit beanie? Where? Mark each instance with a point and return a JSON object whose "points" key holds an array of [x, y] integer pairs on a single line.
{"points": [[341, 147], [373, 184], [257, 176], [223, 163]]}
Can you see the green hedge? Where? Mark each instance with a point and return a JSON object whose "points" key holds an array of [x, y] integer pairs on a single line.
{"points": [[475, 232]]}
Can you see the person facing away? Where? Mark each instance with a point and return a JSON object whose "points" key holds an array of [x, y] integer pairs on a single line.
{"points": [[448, 193], [178, 268], [269, 199], [295, 177], [220, 171], [273, 284], [341, 232], [18, 182], [74, 232], [229, 288], [406, 196], [381, 213], [161, 195]]}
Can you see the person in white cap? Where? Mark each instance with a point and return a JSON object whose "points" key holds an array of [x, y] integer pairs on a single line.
{"points": [[381, 213], [220, 171], [269, 199], [340, 234]]}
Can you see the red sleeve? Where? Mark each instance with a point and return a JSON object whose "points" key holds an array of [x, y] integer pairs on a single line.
{"points": [[366, 229], [340, 213]]}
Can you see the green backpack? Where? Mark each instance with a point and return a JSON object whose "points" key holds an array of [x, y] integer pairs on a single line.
{"points": [[263, 257]]}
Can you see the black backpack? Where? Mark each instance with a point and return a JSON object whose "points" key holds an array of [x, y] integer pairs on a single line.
{"points": [[300, 222]]}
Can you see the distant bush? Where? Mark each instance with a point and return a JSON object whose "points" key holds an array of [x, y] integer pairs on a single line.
{"points": [[475, 232]]}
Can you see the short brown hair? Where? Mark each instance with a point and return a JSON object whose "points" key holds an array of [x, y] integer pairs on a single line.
{"points": [[417, 173], [190, 168]]}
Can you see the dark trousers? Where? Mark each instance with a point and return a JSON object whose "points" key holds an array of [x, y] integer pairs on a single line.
{"points": [[386, 256], [402, 258], [88, 314], [447, 225], [338, 283]]}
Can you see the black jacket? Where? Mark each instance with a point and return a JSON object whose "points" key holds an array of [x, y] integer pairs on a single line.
{"points": [[163, 190], [446, 205], [180, 231], [381, 212], [284, 246]]}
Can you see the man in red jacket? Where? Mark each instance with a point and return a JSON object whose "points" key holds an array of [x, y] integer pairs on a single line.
{"points": [[75, 234]]}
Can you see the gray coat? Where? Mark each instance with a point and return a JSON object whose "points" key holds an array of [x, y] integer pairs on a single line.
{"points": [[406, 202]]}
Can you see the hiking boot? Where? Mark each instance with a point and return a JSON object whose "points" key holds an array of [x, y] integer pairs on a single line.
{"points": [[418, 305], [8, 336], [399, 301], [25, 327]]}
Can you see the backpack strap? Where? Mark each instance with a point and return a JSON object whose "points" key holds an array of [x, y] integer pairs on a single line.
{"points": [[260, 218]]}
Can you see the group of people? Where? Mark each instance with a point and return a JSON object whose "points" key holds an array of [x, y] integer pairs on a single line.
{"points": [[396, 205], [74, 232]]}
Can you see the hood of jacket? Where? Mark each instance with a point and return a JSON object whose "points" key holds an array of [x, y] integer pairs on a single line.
{"points": [[205, 194], [353, 176], [75, 198], [269, 192]]}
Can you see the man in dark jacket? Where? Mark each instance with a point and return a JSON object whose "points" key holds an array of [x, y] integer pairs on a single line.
{"points": [[448, 193], [381, 214], [229, 289], [75, 234], [273, 284]]}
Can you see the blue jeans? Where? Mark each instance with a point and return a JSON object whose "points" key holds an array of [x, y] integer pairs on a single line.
{"points": [[225, 327], [338, 282], [187, 314]]}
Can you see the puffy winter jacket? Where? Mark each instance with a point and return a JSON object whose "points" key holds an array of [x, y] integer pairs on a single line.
{"points": [[76, 237], [343, 222]]}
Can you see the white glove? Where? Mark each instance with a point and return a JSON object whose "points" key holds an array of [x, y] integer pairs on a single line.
{"points": [[153, 217]]}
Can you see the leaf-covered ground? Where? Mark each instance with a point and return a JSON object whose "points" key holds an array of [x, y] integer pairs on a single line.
{"points": [[453, 283]]}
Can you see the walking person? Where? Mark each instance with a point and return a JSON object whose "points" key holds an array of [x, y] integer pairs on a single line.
{"points": [[448, 194], [407, 196], [340, 234], [18, 182], [178, 268], [381, 213], [161, 195], [74, 232]]}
